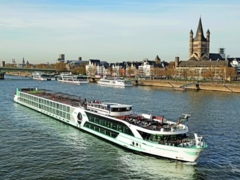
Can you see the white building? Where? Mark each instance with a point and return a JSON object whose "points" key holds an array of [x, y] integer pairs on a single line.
{"points": [[96, 67], [145, 68]]}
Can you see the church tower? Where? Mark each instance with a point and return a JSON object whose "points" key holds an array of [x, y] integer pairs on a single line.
{"points": [[199, 45]]}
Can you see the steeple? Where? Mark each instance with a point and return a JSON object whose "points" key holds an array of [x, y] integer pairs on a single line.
{"points": [[199, 35], [199, 45], [23, 61], [157, 60]]}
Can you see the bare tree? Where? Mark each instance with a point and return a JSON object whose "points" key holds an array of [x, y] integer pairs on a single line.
{"points": [[209, 74], [79, 70], [130, 71], [92, 70], [231, 73], [60, 67]]}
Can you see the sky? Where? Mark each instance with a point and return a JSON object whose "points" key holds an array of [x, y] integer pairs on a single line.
{"points": [[113, 31]]}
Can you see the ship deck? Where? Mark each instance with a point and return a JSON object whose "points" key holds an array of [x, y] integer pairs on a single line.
{"points": [[64, 98], [134, 119]]}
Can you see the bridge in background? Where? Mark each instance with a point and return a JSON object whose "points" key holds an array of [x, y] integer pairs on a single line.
{"points": [[3, 70]]}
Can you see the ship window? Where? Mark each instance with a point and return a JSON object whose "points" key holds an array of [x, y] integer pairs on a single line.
{"points": [[109, 123], [101, 130]]}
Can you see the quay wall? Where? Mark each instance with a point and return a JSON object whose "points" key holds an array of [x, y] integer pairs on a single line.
{"points": [[215, 86], [19, 73]]}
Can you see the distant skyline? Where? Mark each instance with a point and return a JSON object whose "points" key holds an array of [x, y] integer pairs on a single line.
{"points": [[113, 31]]}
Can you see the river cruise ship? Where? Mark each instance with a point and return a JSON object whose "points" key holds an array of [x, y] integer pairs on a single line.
{"points": [[115, 81], [144, 133]]}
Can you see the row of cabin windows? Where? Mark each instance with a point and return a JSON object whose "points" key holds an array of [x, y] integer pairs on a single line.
{"points": [[55, 111], [159, 137], [45, 102], [29, 97], [30, 102], [46, 108], [121, 109], [101, 129], [54, 105], [109, 123]]}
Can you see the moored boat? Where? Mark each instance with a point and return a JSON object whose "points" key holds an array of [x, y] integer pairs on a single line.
{"points": [[82, 79], [115, 81], [67, 78], [145, 133], [42, 76]]}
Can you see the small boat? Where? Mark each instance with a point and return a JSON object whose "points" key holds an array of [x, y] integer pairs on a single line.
{"points": [[42, 76], [115, 122], [67, 78], [115, 81]]}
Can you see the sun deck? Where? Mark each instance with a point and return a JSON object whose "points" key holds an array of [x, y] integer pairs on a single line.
{"points": [[64, 98]]}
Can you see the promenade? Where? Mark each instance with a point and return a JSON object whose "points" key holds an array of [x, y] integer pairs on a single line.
{"points": [[188, 85]]}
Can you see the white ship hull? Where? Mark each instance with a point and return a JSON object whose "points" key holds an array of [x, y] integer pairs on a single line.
{"points": [[43, 79], [69, 81], [114, 83]]}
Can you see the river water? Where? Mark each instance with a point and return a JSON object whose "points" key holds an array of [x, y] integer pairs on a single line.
{"points": [[35, 146]]}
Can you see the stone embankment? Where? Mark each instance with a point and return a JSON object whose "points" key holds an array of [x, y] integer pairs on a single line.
{"points": [[24, 74], [181, 85]]}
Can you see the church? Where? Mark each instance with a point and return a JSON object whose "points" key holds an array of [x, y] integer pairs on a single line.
{"points": [[200, 59]]}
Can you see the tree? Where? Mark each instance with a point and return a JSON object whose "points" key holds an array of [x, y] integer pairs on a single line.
{"points": [[61, 67], [222, 73], [169, 72], [109, 70], [115, 72], [130, 71], [92, 70], [185, 74], [209, 74], [79, 70], [230, 73]]}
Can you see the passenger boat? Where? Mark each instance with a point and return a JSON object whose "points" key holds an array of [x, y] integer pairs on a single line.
{"points": [[83, 79], [115, 81], [144, 133], [42, 76], [68, 78]]}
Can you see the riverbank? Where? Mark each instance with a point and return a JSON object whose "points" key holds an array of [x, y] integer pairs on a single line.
{"points": [[177, 85], [182, 85]]}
